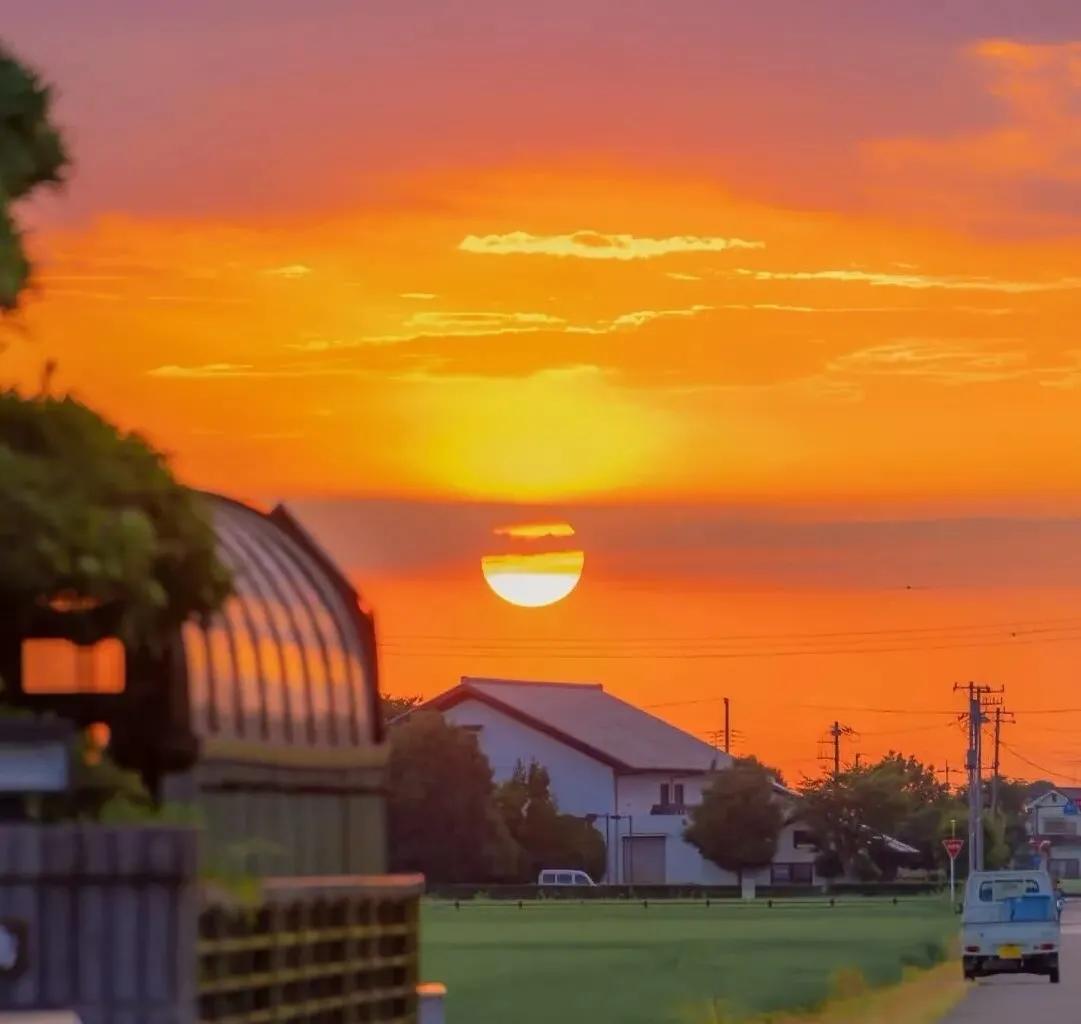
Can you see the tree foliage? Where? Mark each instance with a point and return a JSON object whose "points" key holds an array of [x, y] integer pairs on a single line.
{"points": [[739, 820], [775, 773], [395, 707], [90, 513], [546, 838], [31, 154], [853, 814], [442, 817]]}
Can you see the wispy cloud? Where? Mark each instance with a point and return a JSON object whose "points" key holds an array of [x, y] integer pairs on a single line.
{"points": [[443, 324], [781, 307], [473, 325], [290, 271], [419, 296], [595, 245], [206, 371], [944, 362], [882, 279], [641, 317], [675, 276]]}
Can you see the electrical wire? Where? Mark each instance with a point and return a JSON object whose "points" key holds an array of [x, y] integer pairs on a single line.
{"points": [[1024, 625], [1033, 764], [709, 655]]}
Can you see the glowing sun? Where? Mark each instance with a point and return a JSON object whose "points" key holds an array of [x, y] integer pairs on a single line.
{"points": [[529, 577]]}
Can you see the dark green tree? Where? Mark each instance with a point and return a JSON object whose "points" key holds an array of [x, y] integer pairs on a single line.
{"points": [[443, 821], [739, 820], [546, 838], [395, 707], [853, 816], [93, 517], [775, 773], [32, 154]]}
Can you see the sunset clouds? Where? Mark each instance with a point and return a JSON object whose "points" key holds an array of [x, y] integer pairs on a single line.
{"points": [[771, 270], [774, 304], [593, 245]]}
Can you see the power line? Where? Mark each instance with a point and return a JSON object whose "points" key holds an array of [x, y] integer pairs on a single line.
{"points": [[1033, 764], [652, 641], [877, 711], [908, 732], [715, 655]]}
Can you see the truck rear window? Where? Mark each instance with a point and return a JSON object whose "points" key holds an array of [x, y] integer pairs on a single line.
{"points": [[1005, 888]]}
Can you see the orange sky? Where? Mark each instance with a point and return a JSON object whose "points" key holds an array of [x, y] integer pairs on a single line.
{"points": [[648, 275]]}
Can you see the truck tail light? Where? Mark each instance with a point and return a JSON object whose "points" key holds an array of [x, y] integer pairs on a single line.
{"points": [[972, 949], [1046, 945]]}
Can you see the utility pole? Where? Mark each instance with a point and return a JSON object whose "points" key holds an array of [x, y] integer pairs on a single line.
{"points": [[979, 696], [727, 728], [1001, 716], [836, 732], [946, 773]]}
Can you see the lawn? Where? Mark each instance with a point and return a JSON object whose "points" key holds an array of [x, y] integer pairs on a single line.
{"points": [[610, 963]]}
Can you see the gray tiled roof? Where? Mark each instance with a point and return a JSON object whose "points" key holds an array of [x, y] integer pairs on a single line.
{"points": [[587, 716]]}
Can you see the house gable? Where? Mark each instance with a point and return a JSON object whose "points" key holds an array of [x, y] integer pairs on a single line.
{"points": [[587, 718], [580, 783]]}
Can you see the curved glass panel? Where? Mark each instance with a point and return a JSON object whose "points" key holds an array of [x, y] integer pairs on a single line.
{"points": [[268, 631], [285, 661], [312, 643], [223, 679], [198, 677]]}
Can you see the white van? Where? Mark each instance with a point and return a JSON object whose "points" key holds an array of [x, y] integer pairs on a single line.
{"points": [[563, 876], [1010, 925]]}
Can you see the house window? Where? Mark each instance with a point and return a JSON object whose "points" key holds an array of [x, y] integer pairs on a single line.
{"points": [[678, 794], [664, 794], [802, 839], [1059, 826], [791, 874]]}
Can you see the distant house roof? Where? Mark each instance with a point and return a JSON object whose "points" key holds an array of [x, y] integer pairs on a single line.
{"points": [[585, 717], [1049, 796]]}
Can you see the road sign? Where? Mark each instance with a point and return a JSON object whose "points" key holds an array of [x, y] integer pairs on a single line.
{"points": [[953, 847]]}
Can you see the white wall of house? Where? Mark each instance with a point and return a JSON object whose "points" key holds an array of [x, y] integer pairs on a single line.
{"points": [[580, 784], [640, 792]]}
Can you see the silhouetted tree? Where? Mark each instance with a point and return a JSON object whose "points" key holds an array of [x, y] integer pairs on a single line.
{"points": [[31, 154], [395, 707], [443, 821], [546, 838], [91, 515]]}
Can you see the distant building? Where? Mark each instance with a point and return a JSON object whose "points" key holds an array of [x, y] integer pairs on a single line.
{"points": [[636, 775], [1055, 818]]}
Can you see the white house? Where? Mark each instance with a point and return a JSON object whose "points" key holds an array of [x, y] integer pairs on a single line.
{"points": [[635, 774], [1055, 817]]}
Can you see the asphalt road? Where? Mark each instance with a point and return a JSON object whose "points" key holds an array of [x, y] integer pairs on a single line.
{"points": [[1010, 999]]}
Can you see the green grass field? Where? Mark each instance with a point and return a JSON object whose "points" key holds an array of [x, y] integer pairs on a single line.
{"points": [[567, 963]]}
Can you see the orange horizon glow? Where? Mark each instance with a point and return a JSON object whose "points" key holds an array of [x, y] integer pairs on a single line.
{"points": [[605, 269]]}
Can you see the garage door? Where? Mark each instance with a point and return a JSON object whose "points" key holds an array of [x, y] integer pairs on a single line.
{"points": [[643, 860]]}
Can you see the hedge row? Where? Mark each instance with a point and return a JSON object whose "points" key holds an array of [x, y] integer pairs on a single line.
{"points": [[670, 892]]}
